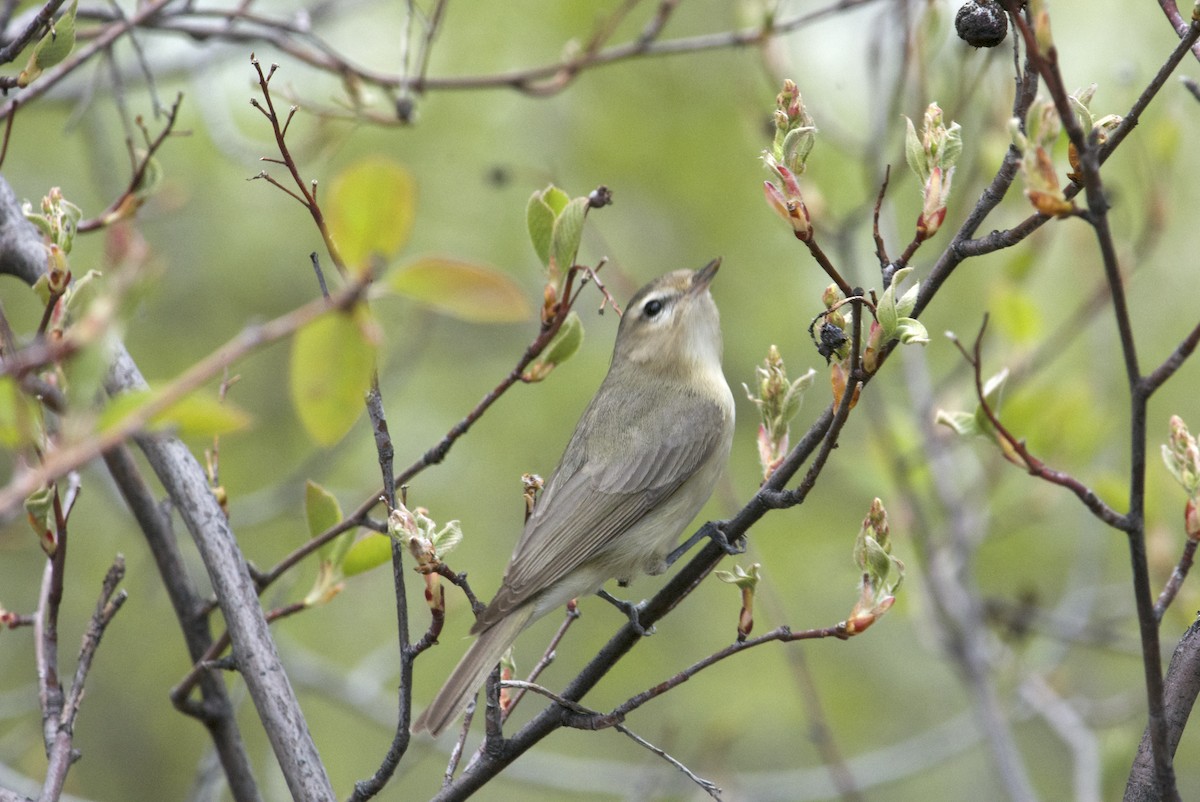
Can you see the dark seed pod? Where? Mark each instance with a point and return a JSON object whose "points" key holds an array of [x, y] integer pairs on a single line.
{"points": [[981, 23]]}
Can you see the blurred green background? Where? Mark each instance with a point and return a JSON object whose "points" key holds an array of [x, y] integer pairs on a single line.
{"points": [[677, 139]]}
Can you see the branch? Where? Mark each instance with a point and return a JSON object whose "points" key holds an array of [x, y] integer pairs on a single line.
{"points": [[1181, 686], [216, 709], [1178, 574], [61, 752], [841, 631], [1171, 10], [583, 715], [257, 657], [128, 202], [51, 77], [1159, 376]]}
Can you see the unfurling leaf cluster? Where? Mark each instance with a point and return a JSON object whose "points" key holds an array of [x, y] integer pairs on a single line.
{"points": [[932, 157], [555, 221], [795, 135], [892, 321], [882, 572], [1182, 458], [778, 400], [747, 582], [1041, 129]]}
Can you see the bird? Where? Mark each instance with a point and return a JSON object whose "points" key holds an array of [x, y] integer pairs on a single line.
{"points": [[643, 460]]}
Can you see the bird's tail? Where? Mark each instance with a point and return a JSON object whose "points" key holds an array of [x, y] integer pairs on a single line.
{"points": [[471, 671]]}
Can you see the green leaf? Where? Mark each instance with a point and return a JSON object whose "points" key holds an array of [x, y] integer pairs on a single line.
{"points": [[568, 232], [371, 552], [914, 153], [963, 423], [910, 330], [322, 511], [332, 361], [908, 300], [993, 390], [886, 314], [474, 292], [370, 211], [199, 414], [321, 508], [556, 199], [52, 48], [539, 217], [447, 538], [566, 342], [17, 421], [564, 345]]}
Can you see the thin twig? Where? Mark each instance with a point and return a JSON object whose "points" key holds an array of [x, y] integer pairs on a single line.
{"points": [[128, 201], [60, 750], [1018, 453], [880, 248], [183, 688], [584, 715], [1178, 574], [547, 657]]}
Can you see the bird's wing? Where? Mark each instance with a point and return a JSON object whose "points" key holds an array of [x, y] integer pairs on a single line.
{"points": [[590, 502]]}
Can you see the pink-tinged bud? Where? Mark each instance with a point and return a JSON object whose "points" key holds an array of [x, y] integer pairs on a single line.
{"points": [[1043, 189], [862, 618], [870, 358], [776, 200], [746, 618], [435, 593], [766, 451], [791, 210], [1191, 520], [933, 211], [791, 186], [929, 221]]}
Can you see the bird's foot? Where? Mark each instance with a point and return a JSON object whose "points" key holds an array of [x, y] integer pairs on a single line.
{"points": [[632, 612], [711, 530]]}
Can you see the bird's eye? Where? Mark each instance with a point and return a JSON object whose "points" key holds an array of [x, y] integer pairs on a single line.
{"points": [[652, 308]]}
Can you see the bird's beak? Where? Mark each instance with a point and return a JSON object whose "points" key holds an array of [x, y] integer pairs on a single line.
{"points": [[703, 277]]}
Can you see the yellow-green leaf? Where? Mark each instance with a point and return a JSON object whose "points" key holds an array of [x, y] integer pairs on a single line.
{"points": [[370, 211], [17, 415], [323, 512], [474, 292], [371, 552], [52, 48], [321, 508], [568, 232], [332, 362], [200, 414], [539, 218]]}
